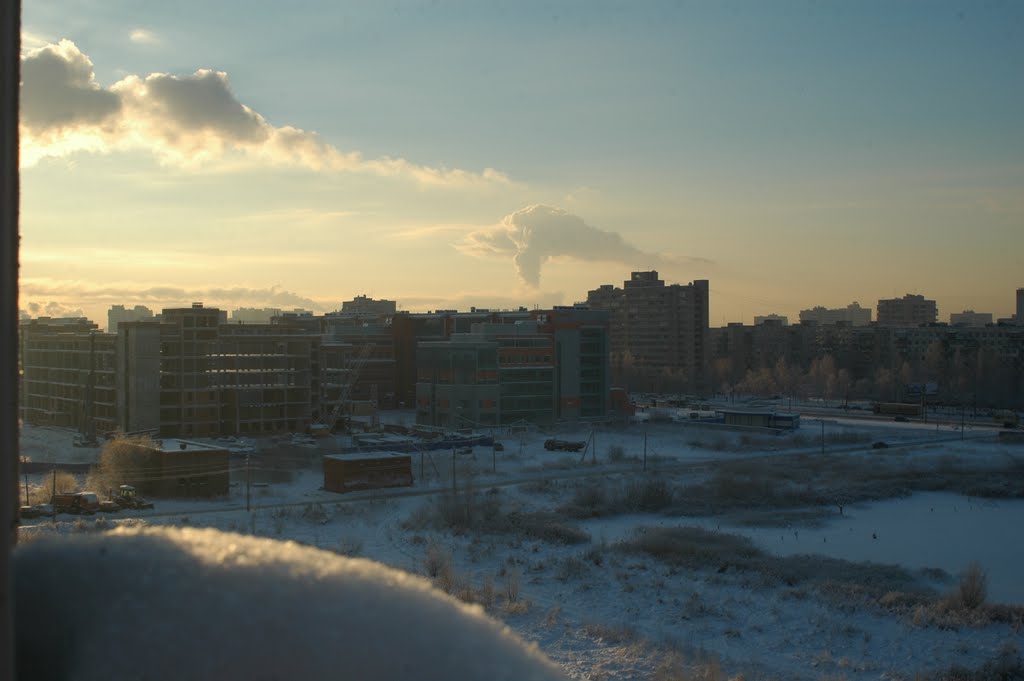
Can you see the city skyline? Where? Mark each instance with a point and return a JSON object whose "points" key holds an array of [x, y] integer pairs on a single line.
{"points": [[448, 155]]}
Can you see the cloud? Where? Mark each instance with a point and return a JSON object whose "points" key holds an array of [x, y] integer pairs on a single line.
{"points": [[49, 309], [185, 120], [59, 92], [143, 36], [97, 297], [535, 235]]}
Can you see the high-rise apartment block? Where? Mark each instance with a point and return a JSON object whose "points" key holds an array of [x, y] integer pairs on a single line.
{"points": [[658, 333], [1019, 317], [909, 311], [970, 318], [853, 314], [364, 305], [781, 320], [119, 313]]}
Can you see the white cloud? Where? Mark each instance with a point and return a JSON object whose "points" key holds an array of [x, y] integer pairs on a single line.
{"points": [[143, 36], [187, 120], [31, 41], [50, 309], [536, 235], [94, 296]]}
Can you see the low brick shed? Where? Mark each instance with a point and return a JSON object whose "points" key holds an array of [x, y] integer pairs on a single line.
{"points": [[366, 470]]}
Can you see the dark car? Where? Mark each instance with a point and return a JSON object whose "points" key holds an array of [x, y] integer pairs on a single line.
{"points": [[879, 445], [901, 419]]}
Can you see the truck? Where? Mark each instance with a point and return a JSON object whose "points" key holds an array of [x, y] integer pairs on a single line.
{"points": [[78, 503], [898, 408], [553, 445], [1006, 418]]}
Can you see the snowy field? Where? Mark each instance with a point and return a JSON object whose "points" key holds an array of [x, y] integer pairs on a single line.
{"points": [[672, 551]]}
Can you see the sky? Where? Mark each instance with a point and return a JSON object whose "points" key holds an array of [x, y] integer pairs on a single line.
{"points": [[451, 154]]}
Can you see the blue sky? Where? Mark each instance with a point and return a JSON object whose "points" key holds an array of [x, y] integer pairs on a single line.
{"points": [[795, 153]]}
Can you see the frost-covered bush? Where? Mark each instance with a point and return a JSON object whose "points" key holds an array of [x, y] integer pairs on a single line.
{"points": [[973, 588]]}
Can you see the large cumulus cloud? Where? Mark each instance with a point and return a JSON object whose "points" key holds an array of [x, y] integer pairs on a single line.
{"points": [[183, 119], [59, 91], [534, 235]]}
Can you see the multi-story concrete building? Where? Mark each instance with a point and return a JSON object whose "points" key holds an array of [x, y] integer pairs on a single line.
{"points": [[118, 314], [215, 379], [970, 318], [365, 305], [659, 333], [67, 374], [852, 314], [1019, 316], [553, 367], [909, 311], [781, 319]]}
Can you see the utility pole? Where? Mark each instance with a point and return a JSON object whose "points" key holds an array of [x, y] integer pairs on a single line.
{"points": [[53, 500], [822, 422], [248, 483]]}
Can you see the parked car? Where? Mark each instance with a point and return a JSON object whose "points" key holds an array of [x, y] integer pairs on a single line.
{"points": [[36, 511], [879, 445]]}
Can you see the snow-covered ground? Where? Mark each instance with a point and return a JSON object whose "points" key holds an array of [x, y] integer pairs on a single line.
{"points": [[506, 539]]}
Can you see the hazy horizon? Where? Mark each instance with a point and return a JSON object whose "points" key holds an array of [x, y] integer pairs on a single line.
{"points": [[448, 155]]}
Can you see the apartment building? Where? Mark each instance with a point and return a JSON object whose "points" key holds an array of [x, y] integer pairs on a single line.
{"points": [[909, 311], [118, 314], [769, 318], [369, 306], [658, 333], [853, 314], [970, 318]]}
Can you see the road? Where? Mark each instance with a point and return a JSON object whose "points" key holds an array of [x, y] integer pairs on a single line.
{"points": [[583, 471]]}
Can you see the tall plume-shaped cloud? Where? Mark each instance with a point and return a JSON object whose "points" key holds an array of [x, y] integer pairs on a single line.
{"points": [[182, 119], [534, 235]]}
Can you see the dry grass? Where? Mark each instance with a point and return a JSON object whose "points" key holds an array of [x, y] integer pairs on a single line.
{"points": [[1006, 665], [965, 606], [487, 514], [648, 494], [841, 582]]}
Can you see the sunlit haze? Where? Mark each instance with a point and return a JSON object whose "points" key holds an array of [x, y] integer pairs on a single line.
{"points": [[449, 154]]}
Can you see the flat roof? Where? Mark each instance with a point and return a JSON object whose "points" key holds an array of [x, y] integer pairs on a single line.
{"points": [[362, 456]]}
